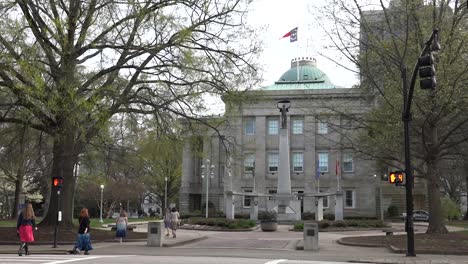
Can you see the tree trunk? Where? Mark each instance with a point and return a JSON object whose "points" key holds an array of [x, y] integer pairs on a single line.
{"points": [[436, 220], [64, 159], [465, 165], [18, 191]]}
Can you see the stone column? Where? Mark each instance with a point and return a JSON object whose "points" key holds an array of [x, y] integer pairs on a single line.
{"points": [[187, 176], [254, 208], [319, 208], [229, 202], [284, 172], [339, 206]]}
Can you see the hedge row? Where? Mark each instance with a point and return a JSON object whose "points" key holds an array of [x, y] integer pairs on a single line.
{"points": [[222, 222], [345, 223]]}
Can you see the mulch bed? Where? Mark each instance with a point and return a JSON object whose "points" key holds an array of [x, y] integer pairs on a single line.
{"points": [[45, 234], [451, 243]]}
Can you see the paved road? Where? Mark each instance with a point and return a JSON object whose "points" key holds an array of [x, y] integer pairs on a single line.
{"points": [[103, 259]]}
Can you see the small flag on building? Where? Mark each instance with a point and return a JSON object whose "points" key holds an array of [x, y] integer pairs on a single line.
{"points": [[291, 34]]}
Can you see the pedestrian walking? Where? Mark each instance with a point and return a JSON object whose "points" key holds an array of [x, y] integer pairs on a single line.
{"points": [[175, 219], [167, 221], [121, 225], [83, 240], [24, 228]]}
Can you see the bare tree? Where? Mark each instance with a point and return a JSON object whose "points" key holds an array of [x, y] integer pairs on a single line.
{"points": [[380, 43]]}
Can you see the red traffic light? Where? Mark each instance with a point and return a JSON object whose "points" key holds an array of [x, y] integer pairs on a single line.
{"points": [[57, 181], [396, 177]]}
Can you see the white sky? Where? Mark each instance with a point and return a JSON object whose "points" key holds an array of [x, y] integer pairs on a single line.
{"points": [[279, 17]]}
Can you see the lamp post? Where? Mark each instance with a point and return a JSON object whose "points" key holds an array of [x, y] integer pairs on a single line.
{"points": [[102, 197], [165, 193], [431, 45], [1, 210], [209, 174]]}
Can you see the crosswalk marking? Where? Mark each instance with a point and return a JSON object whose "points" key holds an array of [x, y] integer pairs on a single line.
{"points": [[48, 259], [276, 261], [71, 260]]}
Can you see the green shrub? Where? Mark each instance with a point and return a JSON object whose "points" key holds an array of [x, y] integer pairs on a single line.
{"points": [[338, 224], [267, 216], [360, 218], [308, 216], [299, 226], [450, 209], [323, 224], [352, 223], [196, 213], [222, 222], [393, 211], [242, 216], [329, 216]]}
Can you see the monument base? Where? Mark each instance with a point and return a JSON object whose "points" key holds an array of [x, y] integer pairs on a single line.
{"points": [[291, 212]]}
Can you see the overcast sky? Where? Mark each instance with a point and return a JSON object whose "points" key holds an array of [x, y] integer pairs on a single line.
{"points": [[280, 17]]}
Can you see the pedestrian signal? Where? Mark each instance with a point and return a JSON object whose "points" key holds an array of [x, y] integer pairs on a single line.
{"points": [[396, 177], [57, 182]]}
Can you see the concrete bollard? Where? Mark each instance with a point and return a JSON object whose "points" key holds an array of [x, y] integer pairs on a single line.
{"points": [[311, 236], [155, 234]]}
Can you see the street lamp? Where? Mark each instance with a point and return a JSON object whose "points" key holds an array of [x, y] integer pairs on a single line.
{"points": [[102, 196], [209, 171], [165, 194]]}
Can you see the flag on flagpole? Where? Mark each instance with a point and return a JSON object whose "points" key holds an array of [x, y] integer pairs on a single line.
{"points": [[291, 34], [318, 170]]}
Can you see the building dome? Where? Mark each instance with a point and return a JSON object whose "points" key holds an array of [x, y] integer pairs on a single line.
{"points": [[303, 74]]}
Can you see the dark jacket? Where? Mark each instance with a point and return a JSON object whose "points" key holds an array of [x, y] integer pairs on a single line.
{"points": [[84, 223], [21, 221]]}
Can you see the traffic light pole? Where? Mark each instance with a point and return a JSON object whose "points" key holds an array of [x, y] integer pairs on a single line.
{"points": [[57, 220], [409, 225], [407, 99]]}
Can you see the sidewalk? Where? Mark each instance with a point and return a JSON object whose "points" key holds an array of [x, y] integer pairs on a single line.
{"points": [[182, 239]]}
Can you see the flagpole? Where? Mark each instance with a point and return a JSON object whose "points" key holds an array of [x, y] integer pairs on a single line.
{"points": [[297, 60], [338, 175]]}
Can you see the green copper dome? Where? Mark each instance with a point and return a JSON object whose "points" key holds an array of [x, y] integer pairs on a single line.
{"points": [[303, 74]]}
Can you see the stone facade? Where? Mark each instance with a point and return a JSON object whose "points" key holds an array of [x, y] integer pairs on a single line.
{"points": [[325, 117]]}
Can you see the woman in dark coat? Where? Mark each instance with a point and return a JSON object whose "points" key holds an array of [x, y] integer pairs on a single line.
{"points": [[24, 228], [83, 242]]}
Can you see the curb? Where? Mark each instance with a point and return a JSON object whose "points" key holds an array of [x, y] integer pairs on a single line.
{"points": [[425, 251], [220, 230], [354, 244], [181, 243]]}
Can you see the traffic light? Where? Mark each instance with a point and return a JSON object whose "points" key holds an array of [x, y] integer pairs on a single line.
{"points": [[396, 177], [427, 72], [57, 182]]}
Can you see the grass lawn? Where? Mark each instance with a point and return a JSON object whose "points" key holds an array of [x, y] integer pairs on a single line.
{"points": [[458, 223]]}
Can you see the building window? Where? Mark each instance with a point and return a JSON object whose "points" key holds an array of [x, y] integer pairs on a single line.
{"points": [[272, 126], [247, 200], [249, 126], [322, 127], [349, 199], [297, 126], [298, 161], [273, 162], [348, 162], [325, 201], [271, 191], [249, 162], [323, 162]]}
